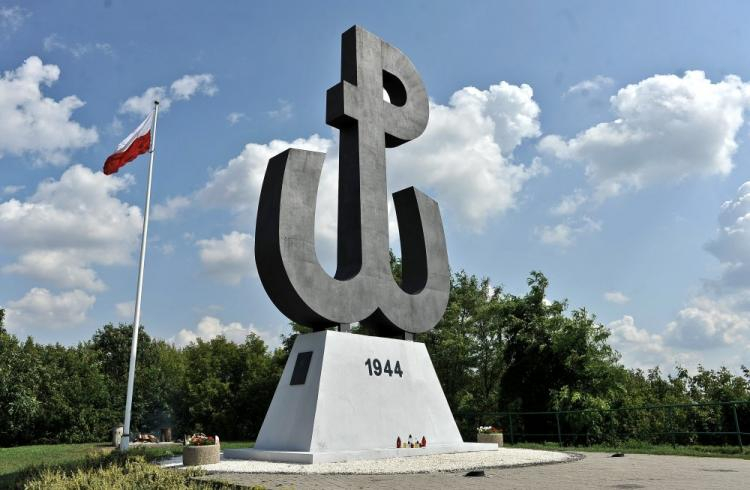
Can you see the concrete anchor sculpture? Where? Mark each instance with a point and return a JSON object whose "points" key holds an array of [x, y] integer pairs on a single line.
{"points": [[343, 396], [363, 289]]}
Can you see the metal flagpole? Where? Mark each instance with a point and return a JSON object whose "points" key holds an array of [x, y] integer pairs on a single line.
{"points": [[125, 441]]}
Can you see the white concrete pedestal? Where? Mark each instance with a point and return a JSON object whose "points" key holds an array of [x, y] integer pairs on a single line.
{"points": [[341, 409]]}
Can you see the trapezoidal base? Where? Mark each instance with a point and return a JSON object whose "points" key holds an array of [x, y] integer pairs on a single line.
{"points": [[346, 397]]}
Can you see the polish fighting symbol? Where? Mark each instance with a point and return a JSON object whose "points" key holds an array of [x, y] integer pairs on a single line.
{"points": [[363, 288]]}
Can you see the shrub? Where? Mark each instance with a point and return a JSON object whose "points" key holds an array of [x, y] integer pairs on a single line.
{"points": [[119, 472]]}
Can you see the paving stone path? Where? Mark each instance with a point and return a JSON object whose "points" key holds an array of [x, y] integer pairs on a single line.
{"points": [[595, 470]]}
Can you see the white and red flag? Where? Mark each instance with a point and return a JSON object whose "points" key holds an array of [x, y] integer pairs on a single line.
{"points": [[136, 143]]}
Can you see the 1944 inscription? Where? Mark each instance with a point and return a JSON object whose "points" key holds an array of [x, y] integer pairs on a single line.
{"points": [[375, 367]]}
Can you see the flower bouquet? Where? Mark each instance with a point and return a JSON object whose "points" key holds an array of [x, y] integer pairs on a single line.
{"points": [[201, 440], [490, 434], [488, 429]]}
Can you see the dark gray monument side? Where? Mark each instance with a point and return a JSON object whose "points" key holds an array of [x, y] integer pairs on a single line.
{"points": [[363, 289]]}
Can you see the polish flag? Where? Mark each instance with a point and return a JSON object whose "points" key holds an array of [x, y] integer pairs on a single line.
{"points": [[137, 143]]}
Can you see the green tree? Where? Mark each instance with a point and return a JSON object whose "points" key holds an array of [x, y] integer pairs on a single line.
{"points": [[228, 387], [554, 361], [19, 376], [465, 345], [76, 395], [158, 375], [261, 374]]}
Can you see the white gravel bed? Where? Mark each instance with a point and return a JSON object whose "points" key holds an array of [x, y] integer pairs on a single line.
{"points": [[503, 457]]}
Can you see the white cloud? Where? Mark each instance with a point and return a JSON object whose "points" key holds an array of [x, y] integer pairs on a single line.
{"points": [[58, 267], [732, 243], [210, 327], [229, 258], [586, 87], [465, 156], [708, 323], [560, 234], [284, 112], [181, 89], [570, 203], [667, 128], [565, 234], [167, 248], [189, 85], [616, 297], [719, 315], [639, 347], [39, 308], [54, 42], [12, 189], [142, 104], [35, 125], [69, 225], [170, 209], [11, 19], [115, 127], [235, 117], [125, 310], [237, 185]]}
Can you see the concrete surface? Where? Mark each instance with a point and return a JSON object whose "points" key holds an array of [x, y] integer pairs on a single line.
{"points": [[595, 470], [344, 409]]}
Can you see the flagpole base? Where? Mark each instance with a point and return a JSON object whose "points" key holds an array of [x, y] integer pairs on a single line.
{"points": [[124, 442]]}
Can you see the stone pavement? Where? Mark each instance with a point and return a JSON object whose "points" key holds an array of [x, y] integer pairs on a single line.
{"points": [[596, 470]]}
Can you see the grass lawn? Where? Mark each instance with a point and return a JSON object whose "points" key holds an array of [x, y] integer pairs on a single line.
{"points": [[15, 460], [635, 447]]}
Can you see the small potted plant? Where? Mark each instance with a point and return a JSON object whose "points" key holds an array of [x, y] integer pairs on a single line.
{"points": [[488, 433], [201, 449]]}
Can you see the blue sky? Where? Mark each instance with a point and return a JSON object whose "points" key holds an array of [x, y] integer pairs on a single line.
{"points": [[601, 143]]}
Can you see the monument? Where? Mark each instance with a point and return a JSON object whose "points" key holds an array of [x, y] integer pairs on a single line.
{"points": [[344, 396]]}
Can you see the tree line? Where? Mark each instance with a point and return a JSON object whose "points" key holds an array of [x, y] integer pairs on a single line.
{"points": [[493, 352]]}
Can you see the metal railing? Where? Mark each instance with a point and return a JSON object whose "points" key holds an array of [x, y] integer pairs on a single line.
{"points": [[711, 423]]}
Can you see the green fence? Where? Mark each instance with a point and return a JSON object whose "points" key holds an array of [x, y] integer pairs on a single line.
{"points": [[715, 423]]}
